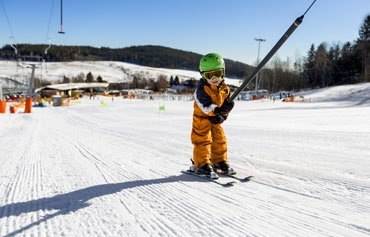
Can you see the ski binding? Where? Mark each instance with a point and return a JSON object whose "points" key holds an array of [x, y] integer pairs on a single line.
{"points": [[214, 180]]}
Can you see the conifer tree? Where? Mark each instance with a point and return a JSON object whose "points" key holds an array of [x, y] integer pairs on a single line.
{"points": [[364, 44], [89, 77]]}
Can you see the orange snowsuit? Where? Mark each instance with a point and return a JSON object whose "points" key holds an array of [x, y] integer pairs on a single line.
{"points": [[210, 145]]}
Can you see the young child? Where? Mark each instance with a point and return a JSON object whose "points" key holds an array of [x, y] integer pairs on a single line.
{"points": [[211, 109]]}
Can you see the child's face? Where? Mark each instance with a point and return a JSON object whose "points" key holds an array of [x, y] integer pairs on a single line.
{"points": [[215, 81], [214, 77]]}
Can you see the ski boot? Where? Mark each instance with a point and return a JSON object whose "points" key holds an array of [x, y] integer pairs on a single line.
{"points": [[207, 170], [224, 167]]}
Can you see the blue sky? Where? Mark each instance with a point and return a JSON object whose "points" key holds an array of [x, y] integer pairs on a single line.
{"points": [[227, 27]]}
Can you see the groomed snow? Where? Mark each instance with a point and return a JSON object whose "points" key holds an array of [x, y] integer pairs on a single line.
{"points": [[113, 169]]}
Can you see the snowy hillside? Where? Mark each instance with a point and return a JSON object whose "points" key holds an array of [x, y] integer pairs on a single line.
{"points": [[109, 71], [113, 169], [357, 94]]}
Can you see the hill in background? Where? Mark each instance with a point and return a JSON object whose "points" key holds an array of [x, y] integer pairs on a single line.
{"points": [[14, 75], [147, 55]]}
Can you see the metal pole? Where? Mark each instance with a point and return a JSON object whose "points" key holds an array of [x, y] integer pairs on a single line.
{"points": [[31, 83], [259, 40], [61, 18], [61, 14]]}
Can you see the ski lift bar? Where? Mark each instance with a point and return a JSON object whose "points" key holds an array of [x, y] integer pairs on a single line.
{"points": [[61, 18], [281, 41], [49, 46], [15, 48]]}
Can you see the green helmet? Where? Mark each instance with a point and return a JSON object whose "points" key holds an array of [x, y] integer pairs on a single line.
{"points": [[210, 62]]}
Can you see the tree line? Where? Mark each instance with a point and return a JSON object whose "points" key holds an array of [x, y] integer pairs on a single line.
{"points": [[324, 65], [147, 55]]}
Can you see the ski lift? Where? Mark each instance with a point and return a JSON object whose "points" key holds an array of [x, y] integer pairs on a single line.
{"points": [[61, 31], [32, 62], [47, 48], [15, 48], [31, 59]]}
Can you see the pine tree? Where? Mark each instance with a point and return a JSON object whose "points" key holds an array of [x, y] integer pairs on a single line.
{"points": [[349, 65], [322, 66], [334, 57], [309, 69], [89, 77], [99, 79], [364, 43]]}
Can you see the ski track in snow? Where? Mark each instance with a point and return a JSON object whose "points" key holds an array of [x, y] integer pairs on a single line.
{"points": [[88, 170]]}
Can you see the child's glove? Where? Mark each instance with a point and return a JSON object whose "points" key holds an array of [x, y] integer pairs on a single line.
{"points": [[225, 108], [217, 119]]}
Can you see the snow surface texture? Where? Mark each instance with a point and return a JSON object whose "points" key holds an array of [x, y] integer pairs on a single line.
{"points": [[114, 170]]}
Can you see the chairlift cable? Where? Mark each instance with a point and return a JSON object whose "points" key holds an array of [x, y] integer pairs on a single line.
{"points": [[51, 13], [10, 27], [48, 30]]}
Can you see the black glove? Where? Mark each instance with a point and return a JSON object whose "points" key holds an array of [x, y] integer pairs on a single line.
{"points": [[225, 108], [217, 119], [224, 116]]}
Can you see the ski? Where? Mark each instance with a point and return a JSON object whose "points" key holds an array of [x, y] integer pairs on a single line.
{"points": [[234, 176], [216, 181]]}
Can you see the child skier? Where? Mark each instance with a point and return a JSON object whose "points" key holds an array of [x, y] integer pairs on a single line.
{"points": [[211, 109]]}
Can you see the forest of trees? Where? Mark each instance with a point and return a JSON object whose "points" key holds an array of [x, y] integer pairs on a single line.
{"points": [[149, 55], [324, 65]]}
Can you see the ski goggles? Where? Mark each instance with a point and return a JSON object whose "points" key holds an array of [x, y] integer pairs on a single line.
{"points": [[219, 73]]}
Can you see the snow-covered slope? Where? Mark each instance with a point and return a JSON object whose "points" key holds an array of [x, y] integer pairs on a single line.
{"points": [[113, 169], [357, 94], [109, 71]]}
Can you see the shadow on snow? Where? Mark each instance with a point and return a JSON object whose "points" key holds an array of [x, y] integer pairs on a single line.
{"points": [[75, 200]]}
